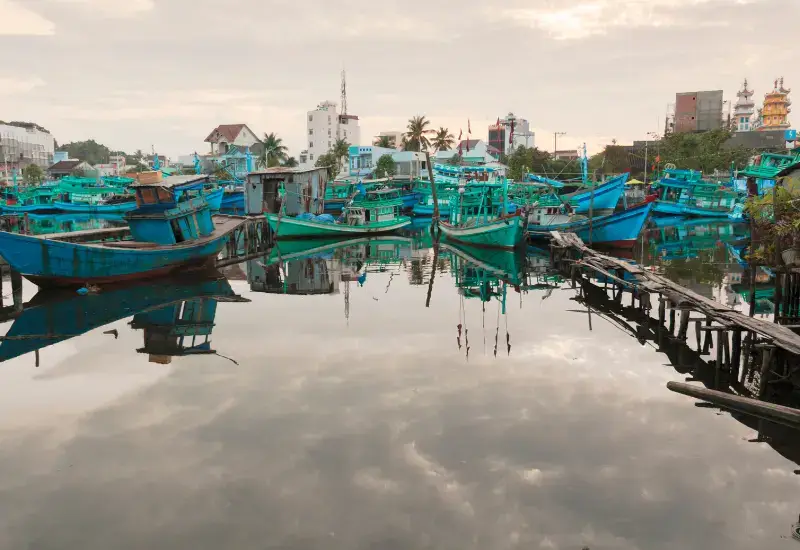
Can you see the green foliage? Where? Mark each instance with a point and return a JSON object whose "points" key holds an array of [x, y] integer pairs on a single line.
{"points": [[32, 174], [530, 159], [416, 137], [78, 173], [443, 140], [274, 152], [89, 151], [613, 159], [328, 160], [385, 167], [703, 151], [387, 142], [456, 160], [340, 151], [291, 162]]}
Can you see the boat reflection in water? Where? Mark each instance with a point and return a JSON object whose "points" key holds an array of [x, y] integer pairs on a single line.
{"points": [[319, 266], [177, 310]]}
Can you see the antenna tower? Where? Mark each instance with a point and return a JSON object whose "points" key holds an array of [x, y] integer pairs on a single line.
{"points": [[344, 92]]}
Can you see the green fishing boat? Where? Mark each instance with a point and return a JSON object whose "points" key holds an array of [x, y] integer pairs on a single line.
{"points": [[479, 217], [371, 211]]}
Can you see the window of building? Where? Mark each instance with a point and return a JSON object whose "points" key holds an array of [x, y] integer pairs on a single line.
{"points": [[310, 144], [311, 118], [329, 144], [311, 132], [311, 156], [329, 132], [329, 119]]}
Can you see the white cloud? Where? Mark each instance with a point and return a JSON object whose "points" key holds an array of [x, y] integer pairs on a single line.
{"points": [[598, 17], [16, 20], [114, 8], [10, 85]]}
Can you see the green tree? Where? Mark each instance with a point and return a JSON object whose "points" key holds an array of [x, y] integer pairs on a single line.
{"points": [[32, 174], [705, 151], [416, 137], [443, 140], [274, 151], [455, 160], [89, 151], [385, 167], [290, 162], [387, 142], [328, 160], [340, 151], [530, 159]]}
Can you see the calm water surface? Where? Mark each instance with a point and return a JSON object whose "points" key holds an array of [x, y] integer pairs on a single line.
{"points": [[336, 410]]}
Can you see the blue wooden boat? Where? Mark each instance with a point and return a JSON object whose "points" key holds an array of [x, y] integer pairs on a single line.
{"points": [[28, 208], [620, 229], [233, 199], [194, 185], [54, 316], [606, 195], [99, 208], [684, 193], [168, 234]]}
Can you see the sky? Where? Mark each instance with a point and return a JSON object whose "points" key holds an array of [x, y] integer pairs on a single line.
{"points": [[136, 74]]}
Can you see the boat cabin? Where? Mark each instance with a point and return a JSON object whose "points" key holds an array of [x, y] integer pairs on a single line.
{"points": [[180, 329], [163, 216], [304, 191], [375, 205]]}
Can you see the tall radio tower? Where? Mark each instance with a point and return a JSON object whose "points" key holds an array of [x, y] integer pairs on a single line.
{"points": [[344, 93]]}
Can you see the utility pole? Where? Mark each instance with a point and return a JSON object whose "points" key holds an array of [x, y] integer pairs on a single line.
{"points": [[555, 142]]}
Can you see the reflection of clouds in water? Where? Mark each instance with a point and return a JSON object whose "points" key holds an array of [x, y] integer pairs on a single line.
{"points": [[332, 437]]}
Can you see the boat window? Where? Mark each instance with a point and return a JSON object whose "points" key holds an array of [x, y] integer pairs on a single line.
{"points": [[164, 195], [176, 230], [148, 196]]}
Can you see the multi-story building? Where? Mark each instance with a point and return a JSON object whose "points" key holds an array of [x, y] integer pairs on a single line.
{"points": [[511, 132], [567, 154], [744, 109], [698, 111], [25, 143], [324, 126]]}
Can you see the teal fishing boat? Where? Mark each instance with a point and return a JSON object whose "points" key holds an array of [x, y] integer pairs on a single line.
{"points": [[684, 193], [475, 219], [372, 211]]}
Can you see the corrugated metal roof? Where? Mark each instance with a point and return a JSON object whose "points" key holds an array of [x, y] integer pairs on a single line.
{"points": [[283, 170]]}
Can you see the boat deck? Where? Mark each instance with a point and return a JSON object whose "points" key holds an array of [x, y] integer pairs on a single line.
{"points": [[88, 235]]}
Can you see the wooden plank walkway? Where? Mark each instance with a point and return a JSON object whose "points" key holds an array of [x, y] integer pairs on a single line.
{"points": [[681, 297]]}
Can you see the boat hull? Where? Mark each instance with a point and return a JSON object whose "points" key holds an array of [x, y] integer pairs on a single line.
{"points": [[606, 196], [233, 201], [55, 263], [505, 233], [292, 228], [28, 209], [426, 210], [84, 208], [619, 230], [214, 198], [665, 208]]}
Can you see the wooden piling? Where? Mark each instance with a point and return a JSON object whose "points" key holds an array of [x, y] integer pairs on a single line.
{"points": [[786, 416], [684, 326], [736, 353]]}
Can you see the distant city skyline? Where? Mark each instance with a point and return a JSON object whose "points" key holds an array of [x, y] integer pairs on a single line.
{"points": [[136, 73]]}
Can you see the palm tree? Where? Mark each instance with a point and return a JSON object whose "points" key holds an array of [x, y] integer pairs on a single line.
{"points": [[274, 151], [444, 140], [340, 150], [387, 142], [290, 162], [416, 135]]}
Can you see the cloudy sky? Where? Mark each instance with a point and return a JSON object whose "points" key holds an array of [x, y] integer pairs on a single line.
{"points": [[136, 73]]}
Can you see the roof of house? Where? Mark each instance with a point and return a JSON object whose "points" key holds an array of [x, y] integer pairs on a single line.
{"points": [[227, 131], [65, 166], [465, 143]]}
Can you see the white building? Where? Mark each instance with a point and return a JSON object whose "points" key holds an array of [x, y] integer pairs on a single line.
{"points": [[395, 137], [511, 132], [323, 127], [744, 110], [472, 151], [408, 164], [25, 144]]}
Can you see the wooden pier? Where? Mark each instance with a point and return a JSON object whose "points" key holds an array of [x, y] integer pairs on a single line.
{"points": [[747, 349]]}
